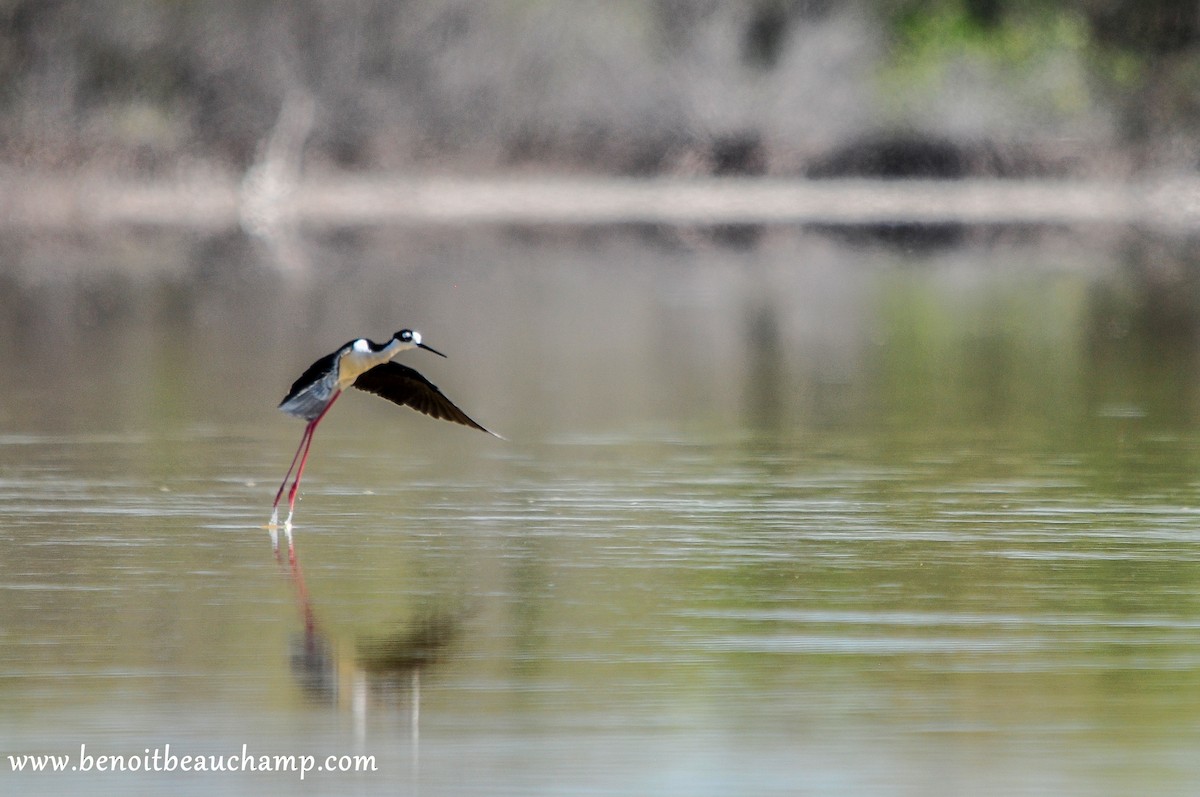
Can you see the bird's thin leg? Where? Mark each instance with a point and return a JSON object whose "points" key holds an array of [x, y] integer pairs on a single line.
{"points": [[304, 438], [312, 428], [287, 524]]}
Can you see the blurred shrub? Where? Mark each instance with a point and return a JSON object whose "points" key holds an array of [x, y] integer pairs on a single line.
{"points": [[627, 86]]}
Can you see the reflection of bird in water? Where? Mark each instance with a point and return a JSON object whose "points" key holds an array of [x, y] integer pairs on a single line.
{"points": [[411, 648], [366, 365], [384, 669]]}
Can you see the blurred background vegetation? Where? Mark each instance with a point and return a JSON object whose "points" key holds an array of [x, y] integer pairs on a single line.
{"points": [[780, 87]]}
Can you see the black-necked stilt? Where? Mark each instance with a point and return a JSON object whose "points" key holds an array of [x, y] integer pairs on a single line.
{"points": [[366, 365]]}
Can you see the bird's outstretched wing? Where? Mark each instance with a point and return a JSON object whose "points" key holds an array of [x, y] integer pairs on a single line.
{"points": [[404, 386]]}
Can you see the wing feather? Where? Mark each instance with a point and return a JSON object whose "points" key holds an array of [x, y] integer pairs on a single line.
{"points": [[404, 386], [312, 374]]}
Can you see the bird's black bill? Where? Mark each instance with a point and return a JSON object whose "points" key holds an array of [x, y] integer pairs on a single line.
{"points": [[430, 348]]}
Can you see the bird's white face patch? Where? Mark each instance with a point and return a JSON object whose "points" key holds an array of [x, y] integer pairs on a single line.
{"points": [[361, 346], [416, 337]]}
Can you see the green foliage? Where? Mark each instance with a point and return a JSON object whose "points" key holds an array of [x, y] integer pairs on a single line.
{"points": [[1137, 57], [949, 29], [929, 43]]}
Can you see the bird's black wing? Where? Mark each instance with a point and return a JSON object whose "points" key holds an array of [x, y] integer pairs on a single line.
{"points": [[311, 374], [406, 387]]}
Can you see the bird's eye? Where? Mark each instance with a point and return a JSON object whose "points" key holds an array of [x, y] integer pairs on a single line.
{"points": [[405, 335]]}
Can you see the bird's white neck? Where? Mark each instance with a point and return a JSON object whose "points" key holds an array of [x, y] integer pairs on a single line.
{"points": [[359, 359]]}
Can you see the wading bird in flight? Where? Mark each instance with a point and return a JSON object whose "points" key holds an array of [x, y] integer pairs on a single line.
{"points": [[366, 365]]}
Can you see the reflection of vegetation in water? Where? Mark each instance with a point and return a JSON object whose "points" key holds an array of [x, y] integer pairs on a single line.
{"points": [[981, 350], [1100, 368]]}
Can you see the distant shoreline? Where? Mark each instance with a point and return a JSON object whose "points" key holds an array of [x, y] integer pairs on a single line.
{"points": [[50, 202]]}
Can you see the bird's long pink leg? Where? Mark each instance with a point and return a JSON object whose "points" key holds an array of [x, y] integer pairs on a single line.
{"points": [[303, 439], [306, 443]]}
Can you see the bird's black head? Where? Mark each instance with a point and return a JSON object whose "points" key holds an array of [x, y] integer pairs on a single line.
{"points": [[413, 338]]}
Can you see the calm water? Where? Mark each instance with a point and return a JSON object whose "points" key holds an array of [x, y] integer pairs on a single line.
{"points": [[778, 513]]}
